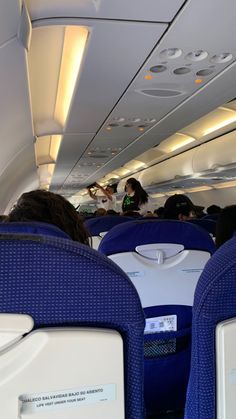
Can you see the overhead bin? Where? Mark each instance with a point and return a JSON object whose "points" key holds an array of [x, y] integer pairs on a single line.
{"points": [[157, 10], [215, 154]]}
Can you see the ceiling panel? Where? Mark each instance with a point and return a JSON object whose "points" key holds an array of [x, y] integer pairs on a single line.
{"points": [[9, 19], [108, 68], [15, 115], [156, 10], [71, 150], [216, 85]]}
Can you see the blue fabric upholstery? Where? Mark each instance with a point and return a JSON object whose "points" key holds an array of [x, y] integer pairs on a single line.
{"points": [[215, 301], [60, 282], [125, 238], [166, 375], [207, 224], [213, 217], [97, 225], [33, 228]]}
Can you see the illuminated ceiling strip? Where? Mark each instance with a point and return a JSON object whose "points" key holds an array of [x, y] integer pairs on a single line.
{"points": [[198, 189], [223, 185], [47, 149], [186, 140], [75, 40], [220, 125]]}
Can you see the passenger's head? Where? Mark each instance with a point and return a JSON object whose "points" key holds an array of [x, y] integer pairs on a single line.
{"points": [[159, 212], [226, 225], [48, 207], [179, 207], [100, 212], [112, 212], [3, 218], [213, 209], [111, 189], [134, 186]]}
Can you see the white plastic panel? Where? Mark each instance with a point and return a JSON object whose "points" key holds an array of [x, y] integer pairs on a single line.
{"points": [[226, 369], [13, 327], [15, 116], [157, 10], [84, 380], [172, 282], [96, 240], [194, 20], [9, 19], [104, 77]]}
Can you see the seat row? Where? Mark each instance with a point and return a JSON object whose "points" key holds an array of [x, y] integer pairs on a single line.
{"points": [[71, 323]]}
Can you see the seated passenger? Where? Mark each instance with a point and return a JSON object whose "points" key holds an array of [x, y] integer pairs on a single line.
{"points": [[226, 225], [136, 198], [213, 209], [179, 207], [2, 218], [100, 212], [48, 207], [159, 212]]}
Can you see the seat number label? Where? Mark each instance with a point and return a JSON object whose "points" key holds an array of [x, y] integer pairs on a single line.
{"points": [[161, 324]]}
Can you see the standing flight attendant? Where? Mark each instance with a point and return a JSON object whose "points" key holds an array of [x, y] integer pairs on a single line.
{"points": [[108, 200], [136, 198]]}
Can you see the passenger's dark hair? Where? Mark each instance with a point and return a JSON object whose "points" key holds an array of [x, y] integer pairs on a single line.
{"points": [[159, 212], [177, 204], [226, 225], [213, 209], [48, 207], [138, 190]]}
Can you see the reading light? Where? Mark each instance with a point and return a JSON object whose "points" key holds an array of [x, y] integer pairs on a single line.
{"points": [[148, 77], [75, 39], [198, 81]]}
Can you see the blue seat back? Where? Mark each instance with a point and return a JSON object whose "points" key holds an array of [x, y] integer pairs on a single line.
{"points": [[213, 217], [166, 291], [125, 238], [207, 224], [215, 301], [60, 282], [97, 225]]}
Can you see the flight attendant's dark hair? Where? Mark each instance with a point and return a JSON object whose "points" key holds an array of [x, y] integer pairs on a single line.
{"points": [[138, 190], [48, 207]]}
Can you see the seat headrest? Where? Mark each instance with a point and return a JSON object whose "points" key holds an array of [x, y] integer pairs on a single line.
{"points": [[207, 224], [126, 237], [99, 224], [26, 227]]}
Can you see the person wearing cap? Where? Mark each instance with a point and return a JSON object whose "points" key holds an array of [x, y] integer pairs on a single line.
{"points": [[108, 198], [179, 207]]}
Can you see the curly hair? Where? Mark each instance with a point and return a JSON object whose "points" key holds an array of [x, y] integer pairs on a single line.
{"points": [[48, 207]]}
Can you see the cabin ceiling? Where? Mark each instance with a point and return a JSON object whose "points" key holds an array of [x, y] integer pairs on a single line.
{"points": [[146, 73]]}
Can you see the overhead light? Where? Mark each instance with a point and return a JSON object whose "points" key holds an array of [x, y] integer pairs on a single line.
{"points": [[181, 143], [157, 195], [75, 39], [198, 189], [174, 192], [134, 165], [45, 173], [221, 124], [47, 148], [175, 142], [148, 77], [198, 81], [122, 171], [223, 185], [44, 187]]}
